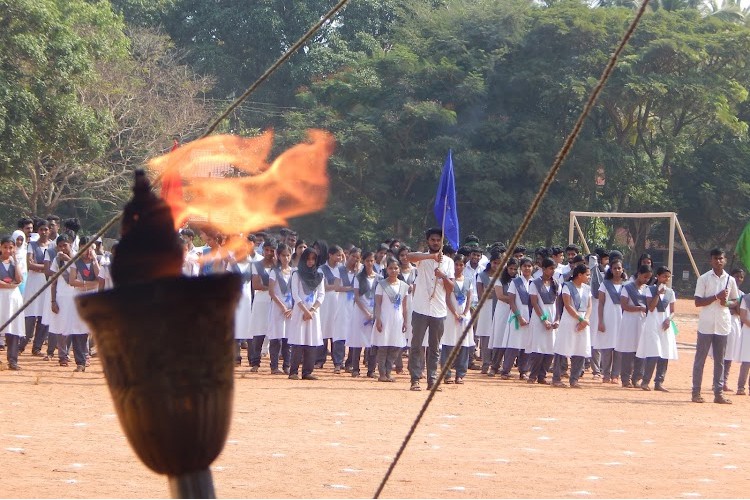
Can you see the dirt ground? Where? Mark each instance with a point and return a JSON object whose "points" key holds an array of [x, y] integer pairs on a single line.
{"points": [[335, 438]]}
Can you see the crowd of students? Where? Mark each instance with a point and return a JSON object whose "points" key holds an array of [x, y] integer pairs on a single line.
{"points": [[369, 309]]}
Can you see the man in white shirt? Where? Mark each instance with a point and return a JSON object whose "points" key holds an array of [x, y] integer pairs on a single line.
{"points": [[712, 291], [434, 282]]}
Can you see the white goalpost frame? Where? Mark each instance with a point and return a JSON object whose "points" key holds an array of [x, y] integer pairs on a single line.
{"points": [[673, 224]]}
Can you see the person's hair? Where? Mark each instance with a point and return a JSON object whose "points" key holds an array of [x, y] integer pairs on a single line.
{"points": [[499, 246], [547, 262], [737, 271], [519, 249], [250, 237], [366, 255], [575, 248], [542, 251], [354, 250], [334, 249], [73, 224], [505, 277], [188, 233], [609, 275], [63, 238], [308, 251], [83, 240], [390, 260], [661, 270], [24, 221], [716, 252], [615, 255], [40, 223], [383, 247], [644, 269], [262, 234], [601, 252], [643, 257], [578, 270], [283, 246], [465, 251], [53, 217], [448, 249], [431, 231], [524, 260], [270, 242], [556, 251], [459, 258], [471, 238], [299, 242], [577, 259], [403, 249], [6, 239]]}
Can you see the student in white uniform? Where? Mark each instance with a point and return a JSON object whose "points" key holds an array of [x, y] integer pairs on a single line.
{"points": [[500, 325], [345, 286], [84, 278], [408, 275], [34, 282], [634, 309], [657, 344], [261, 304], [282, 304], [363, 317], [391, 298], [10, 300], [574, 335], [241, 264], [599, 263], [544, 292], [734, 331], [485, 323], [743, 353], [304, 333], [519, 333], [61, 300], [329, 309], [459, 315], [610, 316]]}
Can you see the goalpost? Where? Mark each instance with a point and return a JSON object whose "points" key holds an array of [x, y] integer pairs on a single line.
{"points": [[673, 224]]}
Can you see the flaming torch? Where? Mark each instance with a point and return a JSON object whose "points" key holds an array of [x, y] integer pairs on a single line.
{"points": [[166, 342]]}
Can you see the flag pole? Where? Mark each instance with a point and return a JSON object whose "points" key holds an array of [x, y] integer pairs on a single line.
{"points": [[442, 242]]}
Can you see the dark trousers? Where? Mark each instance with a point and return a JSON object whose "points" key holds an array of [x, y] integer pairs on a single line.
{"points": [[485, 352], [238, 349], [596, 362], [727, 369], [433, 327], [64, 342], [627, 365], [13, 347], [304, 355], [461, 363], [510, 356], [355, 354], [610, 363], [34, 330], [52, 340], [80, 348], [386, 356], [576, 368], [744, 371], [255, 347], [279, 348], [322, 354], [719, 344], [498, 353], [540, 364], [372, 360], [660, 365]]}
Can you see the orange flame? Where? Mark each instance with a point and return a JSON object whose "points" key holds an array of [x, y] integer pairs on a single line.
{"points": [[228, 184]]}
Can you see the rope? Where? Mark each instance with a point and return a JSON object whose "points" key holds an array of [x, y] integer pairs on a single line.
{"points": [[561, 155], [209, 130]]}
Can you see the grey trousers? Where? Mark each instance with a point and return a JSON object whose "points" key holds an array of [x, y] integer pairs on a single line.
{"points": [[719, 344], [744, 371], [386, 357], [596, 361], [485, 351], [610, 363], [576, 367], [433, 327], [510, 356], [660, 364], [540, 364]]}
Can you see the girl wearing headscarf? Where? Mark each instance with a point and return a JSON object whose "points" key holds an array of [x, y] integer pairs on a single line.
{"points": [[360, 333], [304, 333], [486, 314], [19, 240], [499, 339]]}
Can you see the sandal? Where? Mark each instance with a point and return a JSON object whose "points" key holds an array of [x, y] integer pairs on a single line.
{"points": [[415, 387]]}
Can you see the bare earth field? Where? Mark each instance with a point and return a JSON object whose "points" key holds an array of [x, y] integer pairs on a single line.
{"points": [[335, 437]]}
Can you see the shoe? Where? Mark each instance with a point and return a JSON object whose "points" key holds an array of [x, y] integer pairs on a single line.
{"points": [[459, 380], [615, 380], [294, 377], [660, 388], [698, 399], [336, 371], [286, 371], [430, 385], [474, 366], [627, 385], [399, 372], [372, 375], [505, 377], [636, 382], [46, 357], [243, 344], [561, 385], [523, 376], [448, 381], [276, 371], [491, 372], [2, 347], [94, 353], [14, 367], [391, 379], [382, 378], [355, 374], [597, 376], [63, 363], [36, 352], [740, 392], [645, 387], [531, 381], [720, 399], [576, 385], [253, 369], [309, 377], [543, 382], [348, 369], [80, 368], [485, 370], [318, 366], [415, 386], [606, 381]]}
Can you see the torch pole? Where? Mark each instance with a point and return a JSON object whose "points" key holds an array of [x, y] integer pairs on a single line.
{"points": [[197, 484]]}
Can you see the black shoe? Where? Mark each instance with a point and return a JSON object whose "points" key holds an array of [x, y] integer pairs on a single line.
{"points": [[294, 377], [720, 399], [309, 377], [431, 384]]}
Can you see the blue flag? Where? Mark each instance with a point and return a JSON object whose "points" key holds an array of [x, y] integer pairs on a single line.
{"points": [[446, 212]]}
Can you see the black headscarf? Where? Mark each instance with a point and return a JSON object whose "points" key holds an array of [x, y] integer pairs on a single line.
{"points": [[309, 276], [322, 251]]}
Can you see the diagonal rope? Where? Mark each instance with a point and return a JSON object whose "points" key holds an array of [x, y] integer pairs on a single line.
{"points": [[556, 164], [114, 220]]}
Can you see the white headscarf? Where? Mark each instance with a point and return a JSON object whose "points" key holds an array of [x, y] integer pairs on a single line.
{"points": [[20, 251]]}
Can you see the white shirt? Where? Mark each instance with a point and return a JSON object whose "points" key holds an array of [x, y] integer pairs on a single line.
{"points": [[715, 318], [424, 301]]}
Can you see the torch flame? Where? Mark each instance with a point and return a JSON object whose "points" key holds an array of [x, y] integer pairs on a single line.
{"points": [[228, 184]]}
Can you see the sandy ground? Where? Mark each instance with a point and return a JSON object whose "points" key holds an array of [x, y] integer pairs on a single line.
{"points": [[335, 438]]}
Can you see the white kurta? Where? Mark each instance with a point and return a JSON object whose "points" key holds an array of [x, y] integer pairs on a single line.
{"points": [[631, 326], [485, 320], [244, 305], [345, 307], [519, 338], [391, 315], [542, 340], [409, 276], [655, 340], [499, 337], [66, 321], [11, 301], [611, 317], [278, 324], [360, 334], [329, 308], [35, 280], [261, 307], [453, 328], [743, 352], [301, 331], [570, 341]]}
